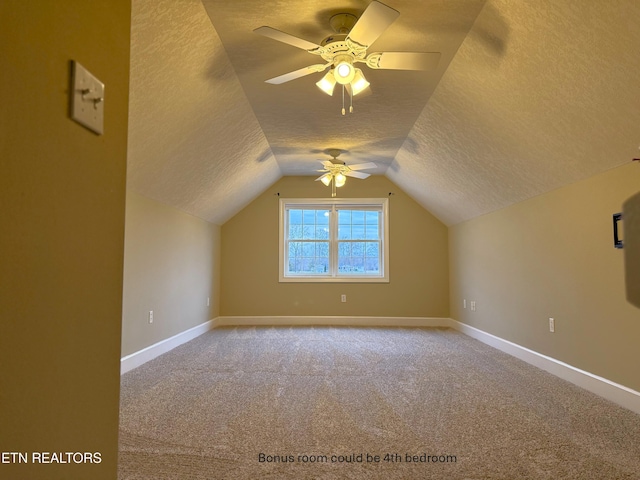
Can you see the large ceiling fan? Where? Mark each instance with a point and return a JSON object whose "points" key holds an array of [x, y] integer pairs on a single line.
{"points": [[335, 174], [348, 47]]}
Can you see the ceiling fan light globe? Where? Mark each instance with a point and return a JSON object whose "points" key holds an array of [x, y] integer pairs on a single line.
{"points": [[359, 83], [340, 180], [327, 83], [344, 71], [326, 179]]}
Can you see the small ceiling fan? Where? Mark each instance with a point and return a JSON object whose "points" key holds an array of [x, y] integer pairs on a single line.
{"points": [[335, 174], [349, 46]]}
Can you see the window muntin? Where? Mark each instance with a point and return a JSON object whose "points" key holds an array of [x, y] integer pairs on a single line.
{"points": [[343, 240]]}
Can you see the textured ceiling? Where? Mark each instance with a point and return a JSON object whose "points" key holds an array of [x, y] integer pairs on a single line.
{"points": [[298, 120], [559, 101], [528, 96], [194, 141]]}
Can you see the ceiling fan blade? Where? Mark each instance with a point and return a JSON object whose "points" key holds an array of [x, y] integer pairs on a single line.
{"points": [[326, 163], [373, 21], [320, 177], [360, 175], [286, 38], [287, 77], [404, 60], [362, 166]]}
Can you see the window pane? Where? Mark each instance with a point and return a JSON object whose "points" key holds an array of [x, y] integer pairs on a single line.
{"points": [[295, 224], [372, 249], [322, 232], [344, 224], [372, 265], [301, 265], [358, 264], [357, 217], [322, 217], [344, 265], [309, 217], [344, 232], [308, 224], [372, 233], [357, 249], [308, 258], [372, 217], [295, 232], [308, 232], [295, 249], [308, 249], [358, 225], [294, 265], [295, 217], [358, 258], [322, 249], [322, 264], [372, 258], [373, 225], [357, 232], [355, 266], [306, 265]]}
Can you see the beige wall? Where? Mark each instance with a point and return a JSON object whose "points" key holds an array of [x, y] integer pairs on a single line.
{"points": [[62, 205], [171, 266], [553, 256], [418, 260]]}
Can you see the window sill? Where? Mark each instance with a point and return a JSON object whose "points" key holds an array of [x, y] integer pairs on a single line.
{"points": [[362, 279]]}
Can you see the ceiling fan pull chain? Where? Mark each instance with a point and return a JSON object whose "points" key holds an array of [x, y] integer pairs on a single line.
{"points": [[351, 106], [343, 110]]}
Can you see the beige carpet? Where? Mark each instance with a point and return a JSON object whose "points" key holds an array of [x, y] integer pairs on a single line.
{"points": [[327, 401]]}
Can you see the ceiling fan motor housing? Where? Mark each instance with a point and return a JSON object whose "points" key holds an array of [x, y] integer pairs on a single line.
{"points": [[342, 52], [343, 22]]}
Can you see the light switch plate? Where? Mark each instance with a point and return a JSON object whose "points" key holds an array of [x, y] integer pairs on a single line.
{"points": [[87, 100]]}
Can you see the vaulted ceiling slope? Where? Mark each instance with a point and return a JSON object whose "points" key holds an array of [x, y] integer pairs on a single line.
{"points": [[528, 97], [194, 141], [541, 94]]}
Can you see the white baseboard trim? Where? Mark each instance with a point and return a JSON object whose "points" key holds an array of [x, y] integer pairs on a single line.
{"points": [[142, 356], [238, 321], [602, 387], [612, 391]]}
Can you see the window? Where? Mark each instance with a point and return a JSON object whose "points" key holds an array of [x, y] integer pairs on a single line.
{"points": [[334, 240]]}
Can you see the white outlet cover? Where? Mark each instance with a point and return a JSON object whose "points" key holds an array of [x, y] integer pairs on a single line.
{"points": [[87, 99]]}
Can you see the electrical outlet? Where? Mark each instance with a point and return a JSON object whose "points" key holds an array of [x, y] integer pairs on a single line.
{"points": [[552, 325], [150, 316], [343, 298]]}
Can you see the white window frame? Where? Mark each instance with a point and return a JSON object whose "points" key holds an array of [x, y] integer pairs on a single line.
{"points": [[333, 203]]}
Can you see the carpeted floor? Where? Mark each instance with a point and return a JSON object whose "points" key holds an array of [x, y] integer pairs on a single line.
{"points": [[352, 403]]}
